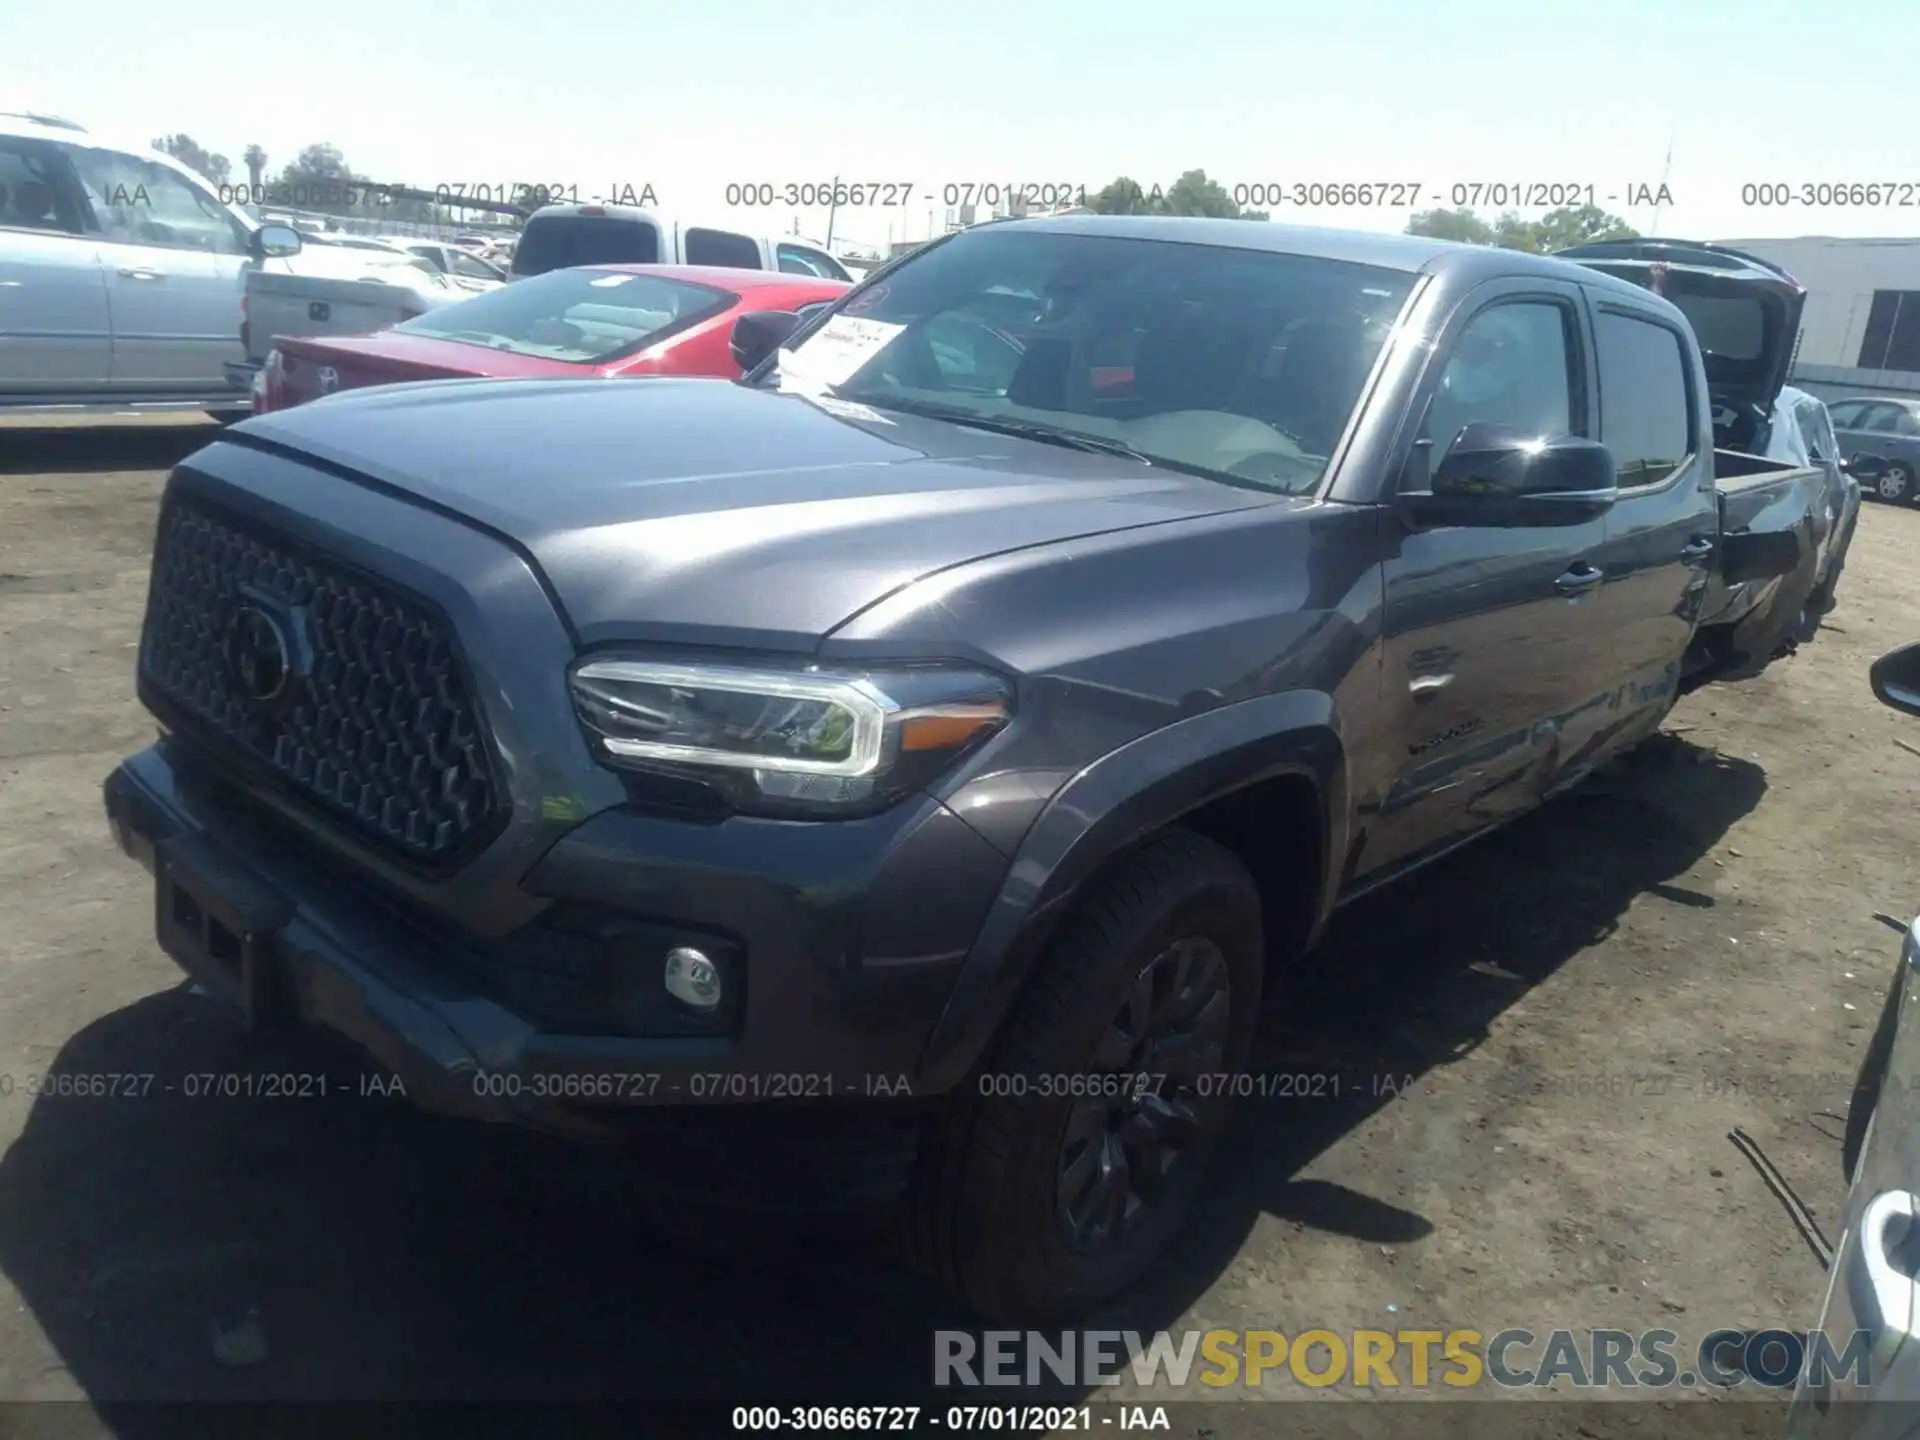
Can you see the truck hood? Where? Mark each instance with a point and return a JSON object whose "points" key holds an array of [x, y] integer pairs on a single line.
{"points": [[1744, 311], [704, 511]]}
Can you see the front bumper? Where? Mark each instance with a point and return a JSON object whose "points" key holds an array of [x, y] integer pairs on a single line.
{"points": [[841, 943]]}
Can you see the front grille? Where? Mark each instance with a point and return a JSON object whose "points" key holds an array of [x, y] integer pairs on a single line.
{"points": [[373, 719]]}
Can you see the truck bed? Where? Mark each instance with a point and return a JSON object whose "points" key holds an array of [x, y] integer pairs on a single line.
{"points": [[1772, 537]]}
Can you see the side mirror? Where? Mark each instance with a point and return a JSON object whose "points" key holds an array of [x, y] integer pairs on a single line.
{"points": [[1896, 679], [1502, 475], [758, 333], [273, 241], [1865, 468]]}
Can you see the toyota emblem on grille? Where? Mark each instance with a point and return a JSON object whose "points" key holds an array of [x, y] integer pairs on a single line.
{"points": [[258, 656], [329, 379]]}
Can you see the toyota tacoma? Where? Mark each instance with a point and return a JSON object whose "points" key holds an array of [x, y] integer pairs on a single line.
{"points": [[958, 722]]}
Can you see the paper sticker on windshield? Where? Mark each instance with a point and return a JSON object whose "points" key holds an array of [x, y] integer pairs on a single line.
{"points": [[837, 349], [611, 280]]}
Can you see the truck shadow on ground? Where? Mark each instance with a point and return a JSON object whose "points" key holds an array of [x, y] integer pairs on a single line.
{"points": [[349, 1248], [96, 449]]}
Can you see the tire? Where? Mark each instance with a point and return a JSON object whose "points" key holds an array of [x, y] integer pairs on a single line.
{"points": [[986, 1213], [1895, 486]]}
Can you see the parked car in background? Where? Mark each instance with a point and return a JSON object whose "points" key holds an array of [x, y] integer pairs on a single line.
{"points": [[1889, 427], [122, 275], [1873, 1285], [589, 323], [558, 236], [987, 730]]}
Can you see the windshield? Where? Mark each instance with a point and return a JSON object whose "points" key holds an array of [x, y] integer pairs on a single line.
{"points": [[1242, 364], [553, 242], [588, 317]]}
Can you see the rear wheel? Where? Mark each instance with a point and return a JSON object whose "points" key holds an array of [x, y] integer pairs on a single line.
{"points": [[1059, 1175], [1895, 485]]}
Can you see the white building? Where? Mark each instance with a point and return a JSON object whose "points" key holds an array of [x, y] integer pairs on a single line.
{"points": [[1860, 333]]}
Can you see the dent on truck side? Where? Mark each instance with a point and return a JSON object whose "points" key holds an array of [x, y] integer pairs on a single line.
{"points": [[1161, 667]]}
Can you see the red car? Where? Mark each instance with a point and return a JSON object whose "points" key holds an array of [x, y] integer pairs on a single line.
{"points": [[589, 322]]}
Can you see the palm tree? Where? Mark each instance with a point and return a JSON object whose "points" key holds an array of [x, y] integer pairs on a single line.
{"points": [[256, 162]]}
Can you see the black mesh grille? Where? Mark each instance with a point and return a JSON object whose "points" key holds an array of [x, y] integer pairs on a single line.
{"points": [[375, 722]]}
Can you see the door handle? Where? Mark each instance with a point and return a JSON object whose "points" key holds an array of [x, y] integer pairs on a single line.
{"points": [[141, 272], [1580, 579], [1696, 549]]}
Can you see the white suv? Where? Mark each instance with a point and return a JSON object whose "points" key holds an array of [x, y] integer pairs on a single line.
{"points": [[121, 276]]}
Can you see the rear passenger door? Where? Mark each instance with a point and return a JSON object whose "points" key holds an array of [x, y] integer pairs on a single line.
{"points": [[1664, 530], [1491, 683]]}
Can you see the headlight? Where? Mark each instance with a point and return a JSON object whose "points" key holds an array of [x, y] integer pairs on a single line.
{"points": [[788, 741]]}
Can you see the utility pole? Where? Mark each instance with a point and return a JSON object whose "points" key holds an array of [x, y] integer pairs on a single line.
{"points": [[1665, 171], [833, 205]]}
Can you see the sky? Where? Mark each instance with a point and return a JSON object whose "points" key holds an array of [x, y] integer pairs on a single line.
{"points": [[1417, 98]]}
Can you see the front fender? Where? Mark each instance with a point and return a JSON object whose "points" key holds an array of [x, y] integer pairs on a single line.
{"points": [[1137, 790]]}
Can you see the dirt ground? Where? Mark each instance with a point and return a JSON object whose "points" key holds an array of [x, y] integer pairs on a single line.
{"points": [[1541, 1046]]}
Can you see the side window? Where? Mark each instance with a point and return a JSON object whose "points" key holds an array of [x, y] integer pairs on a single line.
{"points": [[139, 202], [1846, 415], [1646, 405], [805, 260], [721, 247], [471, 267], [1880, 418], [37, 191], [1512, 365], [1816, 432], [1905, 422], [971, 356]]}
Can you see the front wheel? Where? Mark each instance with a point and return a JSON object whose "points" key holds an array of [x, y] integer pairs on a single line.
{"points": [[1061, 1173]]}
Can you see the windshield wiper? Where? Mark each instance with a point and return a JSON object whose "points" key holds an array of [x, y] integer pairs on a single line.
{"points": [[1022, 429]]}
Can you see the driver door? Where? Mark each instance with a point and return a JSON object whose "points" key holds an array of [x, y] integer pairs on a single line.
{"points": [[1494, 678]]}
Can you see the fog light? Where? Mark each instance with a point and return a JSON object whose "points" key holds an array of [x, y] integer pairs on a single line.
{"points": [[692, 978]]}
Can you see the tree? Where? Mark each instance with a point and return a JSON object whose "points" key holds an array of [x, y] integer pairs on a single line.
{"points": [[190, 154], [1125, 197], [1192, 194], [1556, 230], [1460, 225], [256, 162]]}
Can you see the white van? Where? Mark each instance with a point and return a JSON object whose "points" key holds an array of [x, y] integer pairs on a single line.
{"points": [[557, 237]]}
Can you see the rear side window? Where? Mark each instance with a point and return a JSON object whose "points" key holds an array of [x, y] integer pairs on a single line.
{"points": [[557, 242], [1646, 408], [37, 190], [585, 317], [722, 247]]}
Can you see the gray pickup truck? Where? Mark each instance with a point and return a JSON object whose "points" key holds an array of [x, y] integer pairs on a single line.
{"points": [[946, 732]]}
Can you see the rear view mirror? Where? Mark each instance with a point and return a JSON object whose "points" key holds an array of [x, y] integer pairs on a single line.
{"points": [[1896, 679], [1501, 475], [274, 241], [1865, 468], [758, 333]]}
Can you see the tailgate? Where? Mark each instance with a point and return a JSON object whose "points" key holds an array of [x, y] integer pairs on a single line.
{"points": [[323, 305]]}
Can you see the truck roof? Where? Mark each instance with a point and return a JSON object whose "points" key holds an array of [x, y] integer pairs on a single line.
{"points": [[1415, 254]]}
